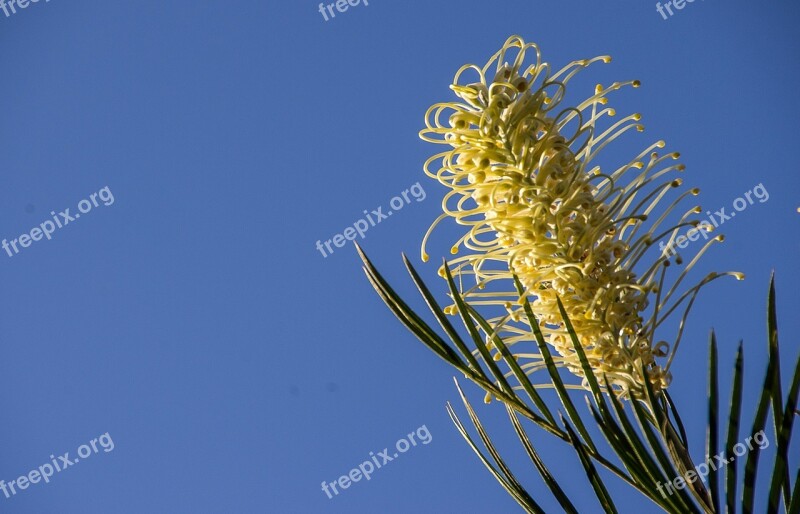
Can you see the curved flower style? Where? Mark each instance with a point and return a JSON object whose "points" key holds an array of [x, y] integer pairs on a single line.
{"points": [[522, 178]]}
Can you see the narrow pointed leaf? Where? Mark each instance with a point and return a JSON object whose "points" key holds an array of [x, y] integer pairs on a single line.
{"points": [[678, 459], [712, 433], [780, 471], [734, 419], [619, 444], [678, 422], [530, 508], [777, 407], [511, 361], [547, 477], [682, 500], [794, 506], [772, 340], [407, 316], [440, 316], [558, 383], [587, 369], [639, 451], [463, 311], [751, 465], [487, 441], [508, 479], [594, 478]]}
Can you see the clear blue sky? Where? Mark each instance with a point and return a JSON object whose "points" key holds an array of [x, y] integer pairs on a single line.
{"points": [[194, 320]]}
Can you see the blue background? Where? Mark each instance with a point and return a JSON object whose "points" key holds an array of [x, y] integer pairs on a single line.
{"points": [[236, 368]]}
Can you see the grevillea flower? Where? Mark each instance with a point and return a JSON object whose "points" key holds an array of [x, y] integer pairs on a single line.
{"points": [[523, 178]]}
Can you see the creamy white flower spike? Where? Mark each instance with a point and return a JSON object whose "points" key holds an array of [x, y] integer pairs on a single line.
{"points": [[522, 178]]}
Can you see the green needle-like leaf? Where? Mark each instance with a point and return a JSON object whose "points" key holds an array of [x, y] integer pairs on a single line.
{"points": [[463, 311], [617, 441], [558, 384], [712, 434], [552, 484], [440, 316], [507, 486], [504, 476], [794, 506], [680, 502], [407, 316], [678, 422], [652, 474], [772, 339], [781, 470], [594, 478], [487, 442], [511, 361], [587, 369], [733, 431], [767, 394]]}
